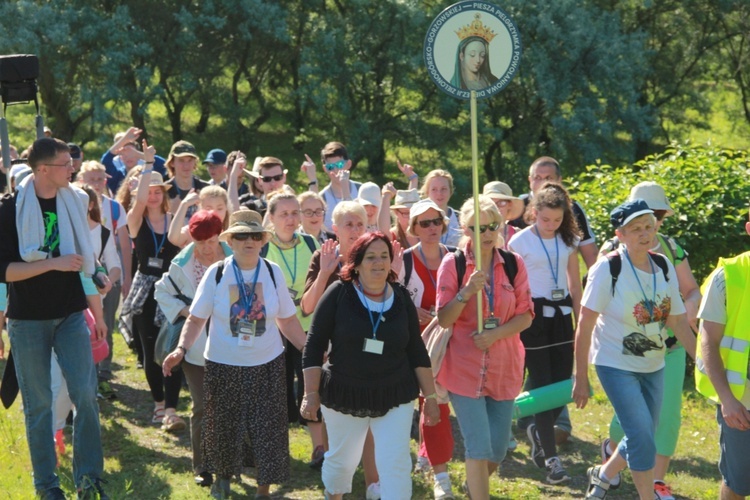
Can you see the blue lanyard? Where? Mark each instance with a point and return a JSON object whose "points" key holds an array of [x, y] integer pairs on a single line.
{"points": [[159, 246], [375, 324], [245, 301], [555, 270], [490, 291], [292, 273], [424, 259], [649, 305]]}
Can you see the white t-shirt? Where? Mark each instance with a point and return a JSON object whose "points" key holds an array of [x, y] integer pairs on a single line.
{"points": [[110, 259], [624, 336], [526, 244], [453, 235], [714, 309], [221, 302]]}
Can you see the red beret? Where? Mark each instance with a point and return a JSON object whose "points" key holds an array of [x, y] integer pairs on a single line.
{"points": [[205, 224]]}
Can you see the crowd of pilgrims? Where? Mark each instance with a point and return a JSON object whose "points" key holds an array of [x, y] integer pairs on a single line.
{"points": [[351, 309]]}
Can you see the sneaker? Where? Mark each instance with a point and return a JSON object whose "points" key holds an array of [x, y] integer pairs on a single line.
{"points": [[51, 494], [662, 491], [373, 492], [422, 465], [556, 473], [318, 456], [512, 444], [442, 489], [91, 489], [105, 391], [598, 487], [537, 453], [614, 483], [204, 479]]}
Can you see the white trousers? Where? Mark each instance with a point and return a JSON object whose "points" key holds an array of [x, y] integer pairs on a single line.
{"points": [[346, 437]]}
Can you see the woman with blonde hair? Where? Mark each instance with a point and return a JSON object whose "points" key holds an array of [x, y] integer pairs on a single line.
{"points": [[483, 372]]}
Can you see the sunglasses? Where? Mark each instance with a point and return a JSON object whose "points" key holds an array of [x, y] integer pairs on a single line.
{"points": [[337, 165], [438, 221], [313, 213], [484, 227], [245, 236], [272, 178]]}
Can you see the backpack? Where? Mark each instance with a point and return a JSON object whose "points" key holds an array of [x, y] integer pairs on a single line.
{"points": [[307, 239], [510, 265], [220, 271], [114, 208], [105, 236], [615, 266]]}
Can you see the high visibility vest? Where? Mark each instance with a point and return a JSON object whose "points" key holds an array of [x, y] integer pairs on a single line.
{"points": [[735, 345]]}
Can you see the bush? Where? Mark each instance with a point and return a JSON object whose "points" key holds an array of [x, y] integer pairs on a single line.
{"points": [[708, 189]]}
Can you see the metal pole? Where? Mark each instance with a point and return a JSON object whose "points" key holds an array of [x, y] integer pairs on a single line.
{"points": [[475, 189]]}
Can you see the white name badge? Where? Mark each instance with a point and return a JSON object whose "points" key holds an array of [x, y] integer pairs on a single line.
{"points": [[558, 294], [155, 262], [373, 346]]}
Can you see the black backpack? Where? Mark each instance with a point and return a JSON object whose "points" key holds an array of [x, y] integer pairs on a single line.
{"points": [[510, 265], [220, 271], [615, 266]]}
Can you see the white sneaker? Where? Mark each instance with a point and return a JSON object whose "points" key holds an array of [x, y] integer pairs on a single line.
{"points": [[373, 492], [442, 489]]}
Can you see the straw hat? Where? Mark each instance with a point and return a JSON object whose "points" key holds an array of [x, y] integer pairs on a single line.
{"points": [[501, 191], [243, 222], [654, 196], [405, 198]]}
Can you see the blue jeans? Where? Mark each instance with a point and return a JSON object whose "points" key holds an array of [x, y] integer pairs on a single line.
{"points": [[32, 342], [485, 426], [636, 398]]}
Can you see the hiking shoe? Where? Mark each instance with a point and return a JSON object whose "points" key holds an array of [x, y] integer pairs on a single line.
{"points": [[614, 483], [556, 473], [662, 491], [204, 479], [442, 489], [51, 494], [373, 492], [598, 487], [91, 489], [105, 391], [318, 456], [537, 453], [422, 465]]}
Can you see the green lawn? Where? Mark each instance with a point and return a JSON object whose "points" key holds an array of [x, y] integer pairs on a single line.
{"points": [[143, 462]]}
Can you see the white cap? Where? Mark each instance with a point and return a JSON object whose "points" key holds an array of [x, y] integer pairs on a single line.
{"points": [[369, 194]]}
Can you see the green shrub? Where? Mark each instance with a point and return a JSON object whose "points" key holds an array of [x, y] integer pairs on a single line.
{"points": [[708, 189]]}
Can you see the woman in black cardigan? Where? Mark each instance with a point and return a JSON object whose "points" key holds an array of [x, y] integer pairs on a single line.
{"points": [[375, 370]]}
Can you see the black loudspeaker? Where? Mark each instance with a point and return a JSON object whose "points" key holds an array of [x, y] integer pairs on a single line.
{"points": [[18, 74]]}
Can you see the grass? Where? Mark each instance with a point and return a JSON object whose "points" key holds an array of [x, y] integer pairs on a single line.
{"points": [[143, 462]]}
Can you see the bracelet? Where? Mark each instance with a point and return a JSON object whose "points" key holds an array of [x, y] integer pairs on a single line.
{"points": [[412, 177], [311, 392], [101, 269], [148, 162], [182, 349], [431, 396], [312, 183]]}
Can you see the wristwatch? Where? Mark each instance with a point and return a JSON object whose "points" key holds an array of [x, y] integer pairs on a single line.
{"points": [[460, 297], [182, 348]]}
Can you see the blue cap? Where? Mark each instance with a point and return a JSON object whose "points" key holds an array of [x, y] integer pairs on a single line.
{"points": [[628, 211], [216, 156]]}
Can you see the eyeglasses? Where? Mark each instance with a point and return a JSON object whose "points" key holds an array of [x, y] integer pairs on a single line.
{"points": [[245, 236], [337, 165], [484, 227], [437, 221], [313, 213], [272, 178], [65, 165]]}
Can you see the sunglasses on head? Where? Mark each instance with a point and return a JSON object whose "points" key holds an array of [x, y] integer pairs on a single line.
{"points": [[336, 165], [484, 227], [245, 236], [270, 178], [437, 221]]}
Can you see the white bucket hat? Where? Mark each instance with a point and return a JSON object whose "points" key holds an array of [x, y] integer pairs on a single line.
{"points": [[654, 196]]}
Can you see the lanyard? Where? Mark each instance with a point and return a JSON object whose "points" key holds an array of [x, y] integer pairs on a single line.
{"points": [[292, 271], [424, 259], [159, 246], [649, 304], [375, 324], [245, 301], [490, 291], [555, 270]]}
